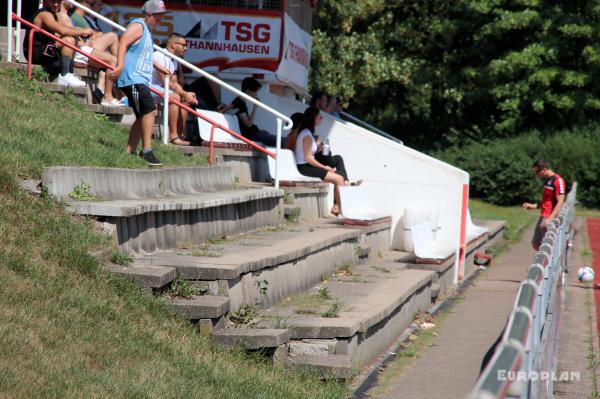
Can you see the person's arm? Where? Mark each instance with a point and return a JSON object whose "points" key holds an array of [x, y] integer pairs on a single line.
{"points": [[560, 200], [187, 96], [529, 205], [50, 24], [133, 33], [309, 157]]}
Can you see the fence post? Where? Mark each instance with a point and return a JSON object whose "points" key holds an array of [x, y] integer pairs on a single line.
{"points": [[166, 111], [9, 32]]}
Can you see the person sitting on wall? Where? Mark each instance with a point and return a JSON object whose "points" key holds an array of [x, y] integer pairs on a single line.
{"points": [[290, 140], [167, 68], [306, 147], [56, 58], [249, 130], [104, 47]]}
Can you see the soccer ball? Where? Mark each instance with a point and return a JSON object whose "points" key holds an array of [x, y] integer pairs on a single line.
{"points": [[585, 274]]}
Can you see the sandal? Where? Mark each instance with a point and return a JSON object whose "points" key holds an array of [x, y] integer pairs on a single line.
{"points": [[178, 141], [357, 183]]}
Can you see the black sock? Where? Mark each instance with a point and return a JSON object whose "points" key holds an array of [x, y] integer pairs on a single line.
{"points": [[71, 65], [65, 61]]}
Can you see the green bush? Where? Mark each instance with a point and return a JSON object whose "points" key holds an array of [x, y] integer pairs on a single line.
{"points": [[500, 170]]}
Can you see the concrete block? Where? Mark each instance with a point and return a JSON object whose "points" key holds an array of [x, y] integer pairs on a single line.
{"points": [[280, 356], [145, 276], [205, 327], [251, 338], [326, 367], [202, 307], [313, 347]]}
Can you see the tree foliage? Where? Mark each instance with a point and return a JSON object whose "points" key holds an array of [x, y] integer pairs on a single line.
{"points": [[439, 72]]}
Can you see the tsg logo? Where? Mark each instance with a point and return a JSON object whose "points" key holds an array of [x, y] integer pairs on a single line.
{"points": [[232, 30]]}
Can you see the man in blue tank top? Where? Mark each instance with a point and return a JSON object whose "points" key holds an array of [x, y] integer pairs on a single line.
{"points": [[134, 73]]}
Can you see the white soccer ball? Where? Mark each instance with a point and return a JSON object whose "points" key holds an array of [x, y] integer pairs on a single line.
{"points": [[585, 274]]}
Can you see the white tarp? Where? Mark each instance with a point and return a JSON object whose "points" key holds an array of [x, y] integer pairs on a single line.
{"points": [[296, 55]]}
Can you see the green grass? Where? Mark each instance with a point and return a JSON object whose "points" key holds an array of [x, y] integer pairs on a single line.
{"points": [[517, 218], [40, 129], [68, 329]]}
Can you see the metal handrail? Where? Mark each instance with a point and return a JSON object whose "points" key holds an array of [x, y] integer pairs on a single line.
{"points": [[36, 29], [371, 127], [279, 116], [531, 327]]}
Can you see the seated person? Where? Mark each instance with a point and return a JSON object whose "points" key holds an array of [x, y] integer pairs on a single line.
{"points": [[94, 5], [251, 86], [335, 107], [56, 58], [104, 46], [208, 94], [167, 68], [306, 147], [290, 140], [319, 100]]}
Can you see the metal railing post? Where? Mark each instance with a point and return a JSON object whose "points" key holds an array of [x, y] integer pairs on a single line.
{"points": [[166, 111], [277, 147], [18, 33], [9, 33]]}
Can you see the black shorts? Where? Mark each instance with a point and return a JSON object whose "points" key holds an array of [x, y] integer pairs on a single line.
{"points": [[47, 56], [310, 171], [140, 99]]}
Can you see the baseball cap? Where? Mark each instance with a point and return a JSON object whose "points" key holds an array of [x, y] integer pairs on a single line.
{"points": [[154, 7]]}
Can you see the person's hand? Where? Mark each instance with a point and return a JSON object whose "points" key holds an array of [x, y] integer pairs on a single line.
{"points": [[329, 169], [190, 98], [545, 222], [528, 205], [114, 74], [87, 32]]}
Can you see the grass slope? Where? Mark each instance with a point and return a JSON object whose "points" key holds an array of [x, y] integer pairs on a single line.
{"points": [[67, 329]]}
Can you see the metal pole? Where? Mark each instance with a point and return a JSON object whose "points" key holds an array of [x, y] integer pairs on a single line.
{"points": [[277, 146], [18, 49], [9, 33], [166, 111]]}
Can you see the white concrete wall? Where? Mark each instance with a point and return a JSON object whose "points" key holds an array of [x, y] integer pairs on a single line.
{"points": [[396, 177]]}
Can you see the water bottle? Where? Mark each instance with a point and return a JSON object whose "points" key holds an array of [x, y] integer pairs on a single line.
{"points": [[326, 147]]}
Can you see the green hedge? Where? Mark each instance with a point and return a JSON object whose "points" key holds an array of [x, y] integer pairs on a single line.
{"points": [[501, 169]]}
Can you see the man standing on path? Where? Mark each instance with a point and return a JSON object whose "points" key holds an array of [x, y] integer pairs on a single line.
{"points": [[134, 72], [553, 198]]}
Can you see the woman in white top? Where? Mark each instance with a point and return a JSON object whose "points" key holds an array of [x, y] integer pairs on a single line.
{"points": [[306, 147]]}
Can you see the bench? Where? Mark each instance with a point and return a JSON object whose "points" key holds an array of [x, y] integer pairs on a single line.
{"points": [[426, 249], [356, 208], [221, 138]]}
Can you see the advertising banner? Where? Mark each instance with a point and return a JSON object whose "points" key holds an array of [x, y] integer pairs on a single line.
{"points": [[230, 39]]}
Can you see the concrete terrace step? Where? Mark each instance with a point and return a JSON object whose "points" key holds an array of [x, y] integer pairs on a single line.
{"points": [[284, 260], [375, 301], [250, 338], [145, 276], [200, 307], [150, 209], [131, 207]]}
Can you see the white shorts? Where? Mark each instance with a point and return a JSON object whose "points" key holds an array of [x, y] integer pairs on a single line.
{"points": [[80, 58]]}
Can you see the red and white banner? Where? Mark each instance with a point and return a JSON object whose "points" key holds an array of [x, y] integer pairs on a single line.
{"points": [[239, 40], [294, 64]]}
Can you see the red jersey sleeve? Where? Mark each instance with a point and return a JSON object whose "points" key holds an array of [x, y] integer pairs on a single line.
{"points": [[560, 187]]}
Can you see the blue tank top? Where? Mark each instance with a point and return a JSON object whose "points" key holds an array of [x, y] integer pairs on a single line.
{"points": [[138, 60]]}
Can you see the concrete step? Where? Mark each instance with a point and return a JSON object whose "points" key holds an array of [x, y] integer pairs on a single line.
{"points": [[145, 276], [268, 265], [356, 312], [326, 367], [79, 93], [151, 209], [200, 307], [251, 339], [115, 114]]}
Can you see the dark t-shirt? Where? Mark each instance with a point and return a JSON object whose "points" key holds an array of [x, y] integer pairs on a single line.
{"points": [[242, 108], [553, 187]]}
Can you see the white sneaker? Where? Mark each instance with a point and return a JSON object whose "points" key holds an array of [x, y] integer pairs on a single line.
{"points": [[70, 80], [112, 103]]}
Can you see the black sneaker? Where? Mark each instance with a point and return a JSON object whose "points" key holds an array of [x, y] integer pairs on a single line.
{"points": [[97, 96], [150, 158]]}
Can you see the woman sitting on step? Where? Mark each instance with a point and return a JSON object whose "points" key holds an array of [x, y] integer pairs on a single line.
{"points": [[305, 150]]}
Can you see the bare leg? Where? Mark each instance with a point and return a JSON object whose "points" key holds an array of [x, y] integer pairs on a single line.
{"points": [[108, 82], [147, 124], [106, 42], [64, 50], [102, 80], [134, 136], [183, 114], [337, 181], [173, 119]]}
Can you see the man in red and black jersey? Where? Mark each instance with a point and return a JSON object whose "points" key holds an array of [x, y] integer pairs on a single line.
{"points": [[553, 197]]}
